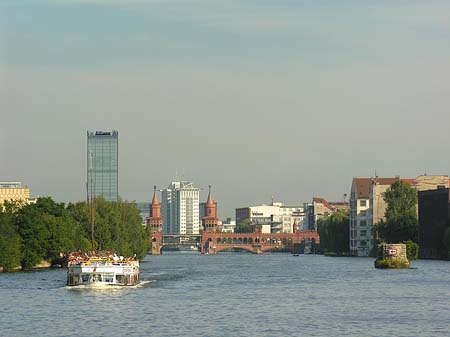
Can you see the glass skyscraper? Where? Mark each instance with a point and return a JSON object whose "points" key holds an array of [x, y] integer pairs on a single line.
{"points": [[102, 164]]}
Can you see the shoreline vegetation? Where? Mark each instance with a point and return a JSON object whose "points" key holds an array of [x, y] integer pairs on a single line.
{"points": [[35, 236]]}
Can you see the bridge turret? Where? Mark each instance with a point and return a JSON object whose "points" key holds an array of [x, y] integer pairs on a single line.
{"points": [[155, 222], [210, 221]]}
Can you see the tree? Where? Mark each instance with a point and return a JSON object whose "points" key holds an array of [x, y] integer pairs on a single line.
{"points": [[244, 227], [10, 242], [34, 234], [117, 227], [42, 231], [334, 232], [401, 222]]}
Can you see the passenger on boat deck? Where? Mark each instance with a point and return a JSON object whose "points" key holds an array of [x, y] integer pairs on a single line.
{"points": [[115, 258]]}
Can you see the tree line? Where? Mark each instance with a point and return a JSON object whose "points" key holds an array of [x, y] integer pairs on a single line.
{"points": [[46, 230]]}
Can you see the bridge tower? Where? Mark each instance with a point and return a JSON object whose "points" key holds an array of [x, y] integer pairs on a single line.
{"points": [[210, 224], [210, 221], [155, 222]]}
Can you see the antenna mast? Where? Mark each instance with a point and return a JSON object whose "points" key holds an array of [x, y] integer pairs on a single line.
{"points": [[91, 201]]}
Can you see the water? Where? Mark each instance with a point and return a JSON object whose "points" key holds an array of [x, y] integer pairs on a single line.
{"points": [[233, 294]]}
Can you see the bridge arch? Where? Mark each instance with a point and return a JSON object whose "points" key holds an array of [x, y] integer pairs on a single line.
{"points": [[222, 247]]}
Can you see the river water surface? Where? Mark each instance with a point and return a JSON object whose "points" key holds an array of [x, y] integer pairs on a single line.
{"points": [[236, 294]]}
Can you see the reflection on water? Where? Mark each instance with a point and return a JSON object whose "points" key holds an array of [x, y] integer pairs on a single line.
{"points": [[233, 294], [101, 287]]}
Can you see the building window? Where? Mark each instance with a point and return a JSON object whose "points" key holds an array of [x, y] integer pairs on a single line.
{"points": [[363, 223], [362, 243], [363, 233], [363, 203]]}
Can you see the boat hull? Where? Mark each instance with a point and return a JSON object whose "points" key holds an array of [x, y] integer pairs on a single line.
{"points": [[103, 274]]}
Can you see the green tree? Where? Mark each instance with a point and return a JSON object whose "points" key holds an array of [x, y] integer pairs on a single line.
{"points": [[117, 227], [244, 227], [10, 241], [34, 234], [78, 214], [334, 232], [401, 214], [44, 230], [412, 250]]}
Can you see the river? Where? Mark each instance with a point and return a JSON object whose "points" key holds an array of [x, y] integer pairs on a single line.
{"points": [[236, 294]]}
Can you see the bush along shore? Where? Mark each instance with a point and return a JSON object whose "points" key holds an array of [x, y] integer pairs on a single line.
{"points": [[40, 235]]}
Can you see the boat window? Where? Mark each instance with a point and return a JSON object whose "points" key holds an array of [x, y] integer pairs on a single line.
{"points": [[85, 277], [75, 279], [120, 279], [97, 277], [108, 277]]}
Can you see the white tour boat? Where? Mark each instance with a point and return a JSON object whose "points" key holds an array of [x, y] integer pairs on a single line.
{"points": [[97, 271]]}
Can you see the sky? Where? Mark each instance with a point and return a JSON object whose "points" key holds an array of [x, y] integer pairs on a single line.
{"points": [[284, 99]]}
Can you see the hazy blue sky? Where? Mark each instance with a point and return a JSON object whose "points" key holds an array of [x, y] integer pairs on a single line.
{"points": [[289, 99]]}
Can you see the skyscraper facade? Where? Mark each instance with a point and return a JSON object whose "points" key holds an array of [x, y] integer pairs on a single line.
{"points": [[180, 208], [103, 164]]}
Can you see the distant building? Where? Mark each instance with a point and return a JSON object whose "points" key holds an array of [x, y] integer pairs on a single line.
{"points": [[340, 206], [144, 211], [368, 208], [426, 182], [180, 208], [317, 209], [434, 221], [275, 218], [228, 226], [360, 231], [102, 164], [13, 191]]}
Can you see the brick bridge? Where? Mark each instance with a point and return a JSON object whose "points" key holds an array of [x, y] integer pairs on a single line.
{"points": [[257, 242], [212, 240]]}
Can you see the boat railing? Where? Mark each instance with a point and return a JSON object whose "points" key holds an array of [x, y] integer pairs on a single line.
{"points": [[101, 263]]}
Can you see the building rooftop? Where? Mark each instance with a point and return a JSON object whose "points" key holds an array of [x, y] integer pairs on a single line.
{"points": [[362, 187], [323, 202], [10, 184]]}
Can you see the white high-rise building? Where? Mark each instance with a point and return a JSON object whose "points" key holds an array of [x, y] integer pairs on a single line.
{"points": [[180, 208]]}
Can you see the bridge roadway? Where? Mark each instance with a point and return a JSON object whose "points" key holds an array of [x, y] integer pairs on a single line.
{"points": [[257, 242]]}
